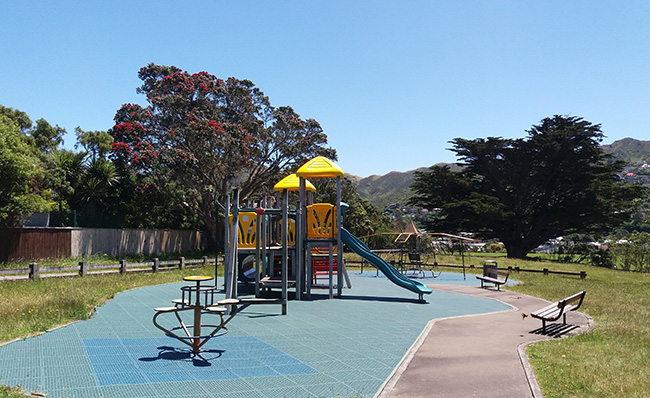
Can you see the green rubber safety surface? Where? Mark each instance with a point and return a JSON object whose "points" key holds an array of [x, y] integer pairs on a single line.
{"points": [[323, 348]]}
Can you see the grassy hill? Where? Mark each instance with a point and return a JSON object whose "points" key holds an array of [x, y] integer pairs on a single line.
{"points": [[394, 187], [629, 150]]}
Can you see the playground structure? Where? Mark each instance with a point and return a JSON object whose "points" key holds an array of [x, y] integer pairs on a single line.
{"points": [[308, 243], [302, 249], [266, 245]]}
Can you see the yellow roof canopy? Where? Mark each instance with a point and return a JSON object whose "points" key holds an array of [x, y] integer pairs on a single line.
{"points": [[292, 183], [320, 167]]}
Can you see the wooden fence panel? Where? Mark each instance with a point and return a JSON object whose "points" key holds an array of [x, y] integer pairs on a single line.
{"points": [[37, 243], [31, 243], [119, 242]]}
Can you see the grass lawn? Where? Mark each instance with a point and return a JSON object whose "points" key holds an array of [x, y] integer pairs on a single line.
{"points": [[611, 361], [8, 392]]}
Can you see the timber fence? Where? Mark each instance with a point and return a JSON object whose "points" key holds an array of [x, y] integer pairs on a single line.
{"points": [[35, 271], [545, 271]]}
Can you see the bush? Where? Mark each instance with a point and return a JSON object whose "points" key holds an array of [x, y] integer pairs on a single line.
{"points": [[495, 248], [634, 253], [602, 258]]}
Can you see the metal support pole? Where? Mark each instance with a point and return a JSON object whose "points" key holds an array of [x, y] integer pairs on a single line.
{"points": [[462, 256], [300, 236], [265, 243], [231, 266], [258, 242], [339, 242], [285, 251], [331, 270], [226, 240]]}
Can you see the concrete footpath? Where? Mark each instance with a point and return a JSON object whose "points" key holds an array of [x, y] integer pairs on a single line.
{"points": [[479, 355]]}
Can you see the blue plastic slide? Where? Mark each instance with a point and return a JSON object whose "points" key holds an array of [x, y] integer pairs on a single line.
{"points": [[394, 275]]}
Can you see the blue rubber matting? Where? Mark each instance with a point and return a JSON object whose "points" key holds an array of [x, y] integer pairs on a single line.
{"points": [[129, 361], [344, 347]]}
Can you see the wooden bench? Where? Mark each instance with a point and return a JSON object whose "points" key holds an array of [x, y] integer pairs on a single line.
{"points": [[554, 311], [491, 275]]}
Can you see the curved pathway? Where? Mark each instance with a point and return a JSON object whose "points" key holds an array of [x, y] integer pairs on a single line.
{"points": [[479, 355]]}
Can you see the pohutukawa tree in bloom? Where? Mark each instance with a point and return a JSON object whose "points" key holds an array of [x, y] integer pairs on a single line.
{"points": [[205, 135]]}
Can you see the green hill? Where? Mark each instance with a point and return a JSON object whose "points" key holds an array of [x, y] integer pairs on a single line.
{"points": [[629, 150], [385, 190], [394, 187]]}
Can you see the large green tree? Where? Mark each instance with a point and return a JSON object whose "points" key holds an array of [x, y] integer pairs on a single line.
{"points": [[554, 182], [21, 176], [204, 135]]}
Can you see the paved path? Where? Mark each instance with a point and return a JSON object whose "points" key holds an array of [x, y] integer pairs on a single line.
{"points": [[478, 355]]}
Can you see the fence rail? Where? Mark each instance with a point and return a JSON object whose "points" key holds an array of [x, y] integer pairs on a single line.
{"points": [[35, 271], [545, 271]]}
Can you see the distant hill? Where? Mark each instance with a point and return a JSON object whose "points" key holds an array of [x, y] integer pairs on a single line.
{"points": [[394, 187], [385, 190], [629, 150], [355, 179]]}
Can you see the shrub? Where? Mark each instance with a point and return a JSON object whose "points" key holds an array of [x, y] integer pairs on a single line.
{"points": [[634, 253]]}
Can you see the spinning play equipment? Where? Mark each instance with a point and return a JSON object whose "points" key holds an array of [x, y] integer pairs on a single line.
{"points": [[199, 300]]}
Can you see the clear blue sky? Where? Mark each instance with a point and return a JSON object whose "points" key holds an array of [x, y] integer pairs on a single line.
{"points": [[391, 82]]}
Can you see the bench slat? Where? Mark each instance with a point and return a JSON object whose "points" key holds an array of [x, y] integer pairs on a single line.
{"points": [[488, 279]]}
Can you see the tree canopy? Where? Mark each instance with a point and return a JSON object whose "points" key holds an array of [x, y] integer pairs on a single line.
{"points": [[525, 191], [202, 135], [21, 176], [97, 144]]}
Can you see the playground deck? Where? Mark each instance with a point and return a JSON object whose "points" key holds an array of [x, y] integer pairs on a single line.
{"points": [[345, 347]]}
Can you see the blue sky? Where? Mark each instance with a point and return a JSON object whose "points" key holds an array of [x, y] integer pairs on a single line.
{"points": [[391, 82]]}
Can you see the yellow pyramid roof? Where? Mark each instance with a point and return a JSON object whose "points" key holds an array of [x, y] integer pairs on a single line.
{"points": [[320, 167], [292, 183]]}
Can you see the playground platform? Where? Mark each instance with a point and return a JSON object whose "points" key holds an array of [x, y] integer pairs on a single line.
{"points": [[377, 340]]}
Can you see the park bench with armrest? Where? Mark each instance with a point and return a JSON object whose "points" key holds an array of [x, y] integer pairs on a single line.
{"points": [[491, 275], [559, 309]]}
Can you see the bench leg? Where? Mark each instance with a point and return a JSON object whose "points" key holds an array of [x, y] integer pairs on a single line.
{"points": [[543, 325], [564, 318]]}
